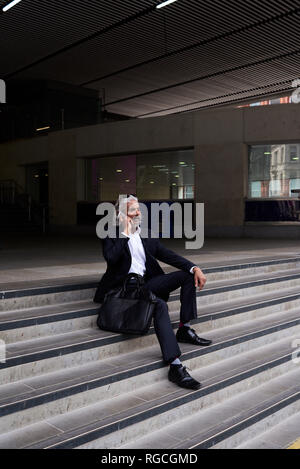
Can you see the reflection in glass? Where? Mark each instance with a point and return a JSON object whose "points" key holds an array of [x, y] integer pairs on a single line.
{"points": [[152, 176], [274, 171]]}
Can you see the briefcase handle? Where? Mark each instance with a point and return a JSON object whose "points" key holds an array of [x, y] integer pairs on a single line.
{"points": [[139, 278]]}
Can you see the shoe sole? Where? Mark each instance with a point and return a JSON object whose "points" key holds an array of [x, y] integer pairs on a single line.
{"points": [[193, 343], [198, 386]]}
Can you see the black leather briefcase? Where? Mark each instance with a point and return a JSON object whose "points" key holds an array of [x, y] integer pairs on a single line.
{"points": [[127, 310]]}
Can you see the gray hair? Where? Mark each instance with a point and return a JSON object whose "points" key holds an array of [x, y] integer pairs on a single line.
{"points": [[121, 206]]}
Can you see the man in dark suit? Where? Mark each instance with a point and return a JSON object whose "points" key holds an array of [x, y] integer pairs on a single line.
{"points": [[129, 252]]}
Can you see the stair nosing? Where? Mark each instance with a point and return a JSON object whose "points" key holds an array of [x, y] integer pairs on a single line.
{"points": [[239, 426], [124, 422], [31, 291], [49, 318], [157, 364], [88, 343]]}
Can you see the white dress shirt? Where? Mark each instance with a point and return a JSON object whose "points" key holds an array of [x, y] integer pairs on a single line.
{"points": [[138, 257]]}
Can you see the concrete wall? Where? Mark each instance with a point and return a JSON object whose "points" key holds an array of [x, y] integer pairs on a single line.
{"points": [[219, 137]]}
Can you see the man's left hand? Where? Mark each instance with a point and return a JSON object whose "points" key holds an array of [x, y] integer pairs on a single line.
{"points": [[199, 278]]}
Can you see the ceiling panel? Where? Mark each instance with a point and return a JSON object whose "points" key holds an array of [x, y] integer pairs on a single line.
{"points": [[189, 55]]}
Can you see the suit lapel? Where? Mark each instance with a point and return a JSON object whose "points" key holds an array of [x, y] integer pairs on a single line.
{"points": [[126, 247]]}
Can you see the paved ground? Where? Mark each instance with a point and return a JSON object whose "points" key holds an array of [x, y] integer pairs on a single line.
{"points": [[32, 257]]}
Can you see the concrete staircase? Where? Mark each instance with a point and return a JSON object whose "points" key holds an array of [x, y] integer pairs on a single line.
{"points": [[67, 384]]}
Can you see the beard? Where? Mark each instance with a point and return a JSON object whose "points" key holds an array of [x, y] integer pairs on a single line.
{"points": [[136, 222]]}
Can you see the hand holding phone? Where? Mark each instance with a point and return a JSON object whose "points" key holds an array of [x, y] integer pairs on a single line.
{"points": [[125, 222]]}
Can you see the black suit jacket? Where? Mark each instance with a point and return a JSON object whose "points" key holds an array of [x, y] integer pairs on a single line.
{"points": [[117, 254]]}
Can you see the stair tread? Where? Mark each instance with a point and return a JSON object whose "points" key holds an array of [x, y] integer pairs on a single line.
{"points": [[143, 363], [86, 279], [281, 436], [143, 398], [223, 416], [31, 285], [90, 336], [245, 281], [36, 312], [13, 316], [54, 381]]}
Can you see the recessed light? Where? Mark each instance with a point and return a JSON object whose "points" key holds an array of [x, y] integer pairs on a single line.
{"points": [[10, 5], [43, 128], [165, 3]]}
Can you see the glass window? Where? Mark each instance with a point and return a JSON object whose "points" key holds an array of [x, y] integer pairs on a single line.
{"points": [[272, 168], [152, 176], [275, 188], [255, 189], [294, 153], [294, 185]]}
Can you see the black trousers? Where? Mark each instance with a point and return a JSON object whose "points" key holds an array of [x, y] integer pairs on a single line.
{"points": [[161, 319]]}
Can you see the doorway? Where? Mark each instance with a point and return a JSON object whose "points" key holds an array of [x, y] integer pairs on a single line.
{"points": [[37, 186]]}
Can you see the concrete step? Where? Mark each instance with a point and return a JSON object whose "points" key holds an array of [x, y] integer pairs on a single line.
{"points": [[244, 268], [46, 292], [40, 321], [221, 279], [139, 404], [281, 436], [149, 406], [229, 423], [220, 291], [30, 323], [34, 358], [66, 383]]}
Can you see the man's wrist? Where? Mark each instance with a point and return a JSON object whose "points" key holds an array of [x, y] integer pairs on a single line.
{"points": [[192, 270]]}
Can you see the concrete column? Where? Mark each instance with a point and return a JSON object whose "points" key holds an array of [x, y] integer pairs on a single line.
{"points": [[62, 179], [221, 183]]}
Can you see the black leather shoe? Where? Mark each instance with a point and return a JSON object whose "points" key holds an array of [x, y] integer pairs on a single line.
{"points": [[178, 375], [189, 336]]}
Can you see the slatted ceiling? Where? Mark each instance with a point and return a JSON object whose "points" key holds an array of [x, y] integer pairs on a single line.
{"points": [[236, 83], [192, 66], [240, 48], [139, 57], [102, 53], [210, 103], [170, 33], [53, 24]]}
